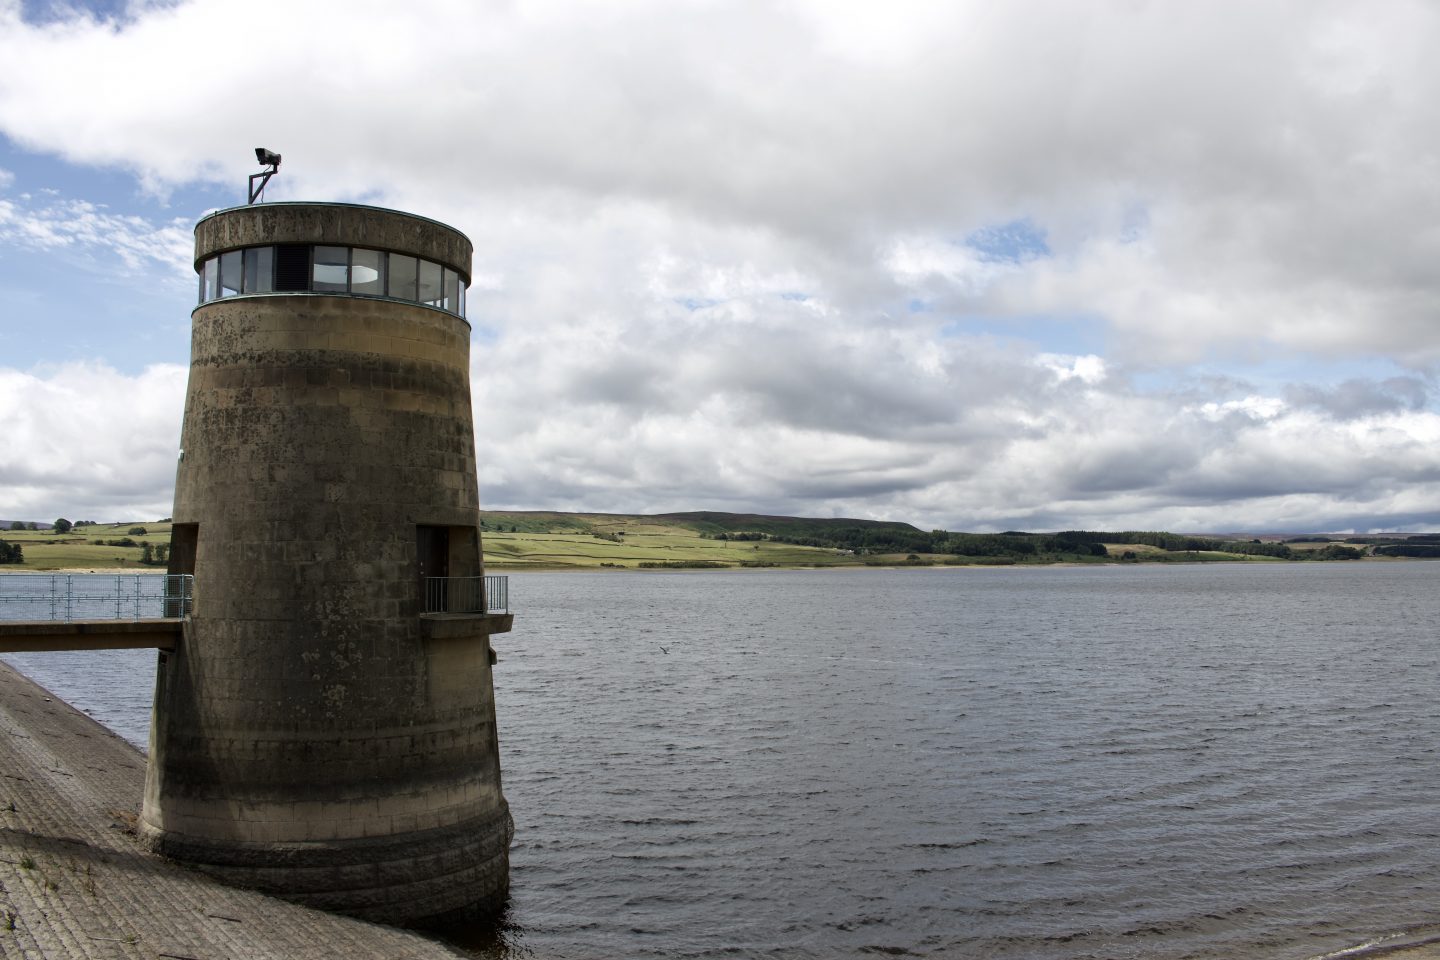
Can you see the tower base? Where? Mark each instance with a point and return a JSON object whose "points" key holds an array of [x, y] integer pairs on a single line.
{"points": [[431, 877]]}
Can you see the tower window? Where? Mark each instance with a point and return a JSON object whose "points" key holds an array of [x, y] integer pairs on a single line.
{"points": [[367, 272], [402, 276], [210, 280], [292, 267], [431, 286], [259, 269], [332, 270], [230, 271]]}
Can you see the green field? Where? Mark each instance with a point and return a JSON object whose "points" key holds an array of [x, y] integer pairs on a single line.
{"points": [[568, 541], [539, 541], [48, 550]]}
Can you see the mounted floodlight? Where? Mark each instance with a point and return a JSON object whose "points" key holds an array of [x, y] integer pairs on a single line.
{"points": [[266, 158]]}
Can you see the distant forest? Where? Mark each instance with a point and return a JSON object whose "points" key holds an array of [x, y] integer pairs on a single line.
{"points": [[874, 537], [888, 542], [1420, 545]]}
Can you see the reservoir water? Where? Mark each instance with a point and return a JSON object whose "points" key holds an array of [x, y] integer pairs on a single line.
{"points": [[1205, 761]]}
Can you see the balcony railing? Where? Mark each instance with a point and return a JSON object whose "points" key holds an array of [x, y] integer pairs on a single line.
{"points": [[94, 596], [467, 594]]}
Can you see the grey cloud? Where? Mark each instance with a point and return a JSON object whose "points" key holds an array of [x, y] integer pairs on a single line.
{"points": [[646, 184], [1359, 398]]}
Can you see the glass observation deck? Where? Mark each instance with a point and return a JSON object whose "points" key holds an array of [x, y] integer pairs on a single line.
{"points": [[319, 268]]}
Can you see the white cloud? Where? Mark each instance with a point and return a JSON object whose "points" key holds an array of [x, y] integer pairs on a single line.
{"points": [[1256, 408], [722, 251], [112, 241], [96, 443], [1088, 369], [1005, 444]]}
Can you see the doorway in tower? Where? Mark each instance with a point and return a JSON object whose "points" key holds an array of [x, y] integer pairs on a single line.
{"points": [[433, 553]]}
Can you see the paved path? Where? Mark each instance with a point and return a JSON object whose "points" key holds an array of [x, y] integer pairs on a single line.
{"points": [[74, 883]]}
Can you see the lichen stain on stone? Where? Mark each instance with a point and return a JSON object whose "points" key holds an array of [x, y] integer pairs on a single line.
{"points": [[334, 697]]}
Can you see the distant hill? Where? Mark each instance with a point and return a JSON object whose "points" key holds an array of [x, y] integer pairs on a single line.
{"points": [[834, 533], [710, 521], [715, 538], [548, 539]]}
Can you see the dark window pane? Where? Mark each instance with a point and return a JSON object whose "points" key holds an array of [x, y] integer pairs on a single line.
{"points": [[402, 276], [292, 266], [367, 272], [259, 269], [332, 269], [431, 288]]}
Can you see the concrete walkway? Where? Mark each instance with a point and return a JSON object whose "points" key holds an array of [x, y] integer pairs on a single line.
{"points": [[74, 883]]}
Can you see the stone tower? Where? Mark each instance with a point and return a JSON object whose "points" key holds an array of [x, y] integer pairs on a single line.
{"points": [[325, 731]]}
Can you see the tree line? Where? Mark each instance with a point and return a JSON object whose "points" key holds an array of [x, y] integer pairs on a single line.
{"points": [[1020, 545]]}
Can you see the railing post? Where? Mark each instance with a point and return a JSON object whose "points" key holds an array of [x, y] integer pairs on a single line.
{"points": [[482, 594], [497, 595]]}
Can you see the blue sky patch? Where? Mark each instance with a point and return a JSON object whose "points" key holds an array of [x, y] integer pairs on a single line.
{"points": [[70, 291], [1013, 242], [56, 11], [696, 303]]}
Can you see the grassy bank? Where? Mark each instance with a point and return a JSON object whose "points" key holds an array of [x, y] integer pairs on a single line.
{"points": [[78, 550]]}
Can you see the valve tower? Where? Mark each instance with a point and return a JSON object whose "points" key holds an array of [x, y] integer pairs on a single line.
{"points": [[325, 730]]}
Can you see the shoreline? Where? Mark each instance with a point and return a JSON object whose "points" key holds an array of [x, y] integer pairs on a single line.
{"points": [[1112, 564]]}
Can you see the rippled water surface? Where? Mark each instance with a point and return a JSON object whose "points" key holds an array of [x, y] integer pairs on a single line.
{"points": [[1198, 761]]}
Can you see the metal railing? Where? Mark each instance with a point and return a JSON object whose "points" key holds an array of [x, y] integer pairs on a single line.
{"points": [[467, 594], [95, 596]]}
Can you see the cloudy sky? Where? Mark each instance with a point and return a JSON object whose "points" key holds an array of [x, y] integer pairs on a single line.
{"points": [[979, 266]]}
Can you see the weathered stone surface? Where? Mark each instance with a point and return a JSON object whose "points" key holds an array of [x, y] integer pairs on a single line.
{"points": [[308, 731]]}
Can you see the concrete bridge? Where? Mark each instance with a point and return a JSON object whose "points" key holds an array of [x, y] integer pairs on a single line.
{"points": [[65, 611]]}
